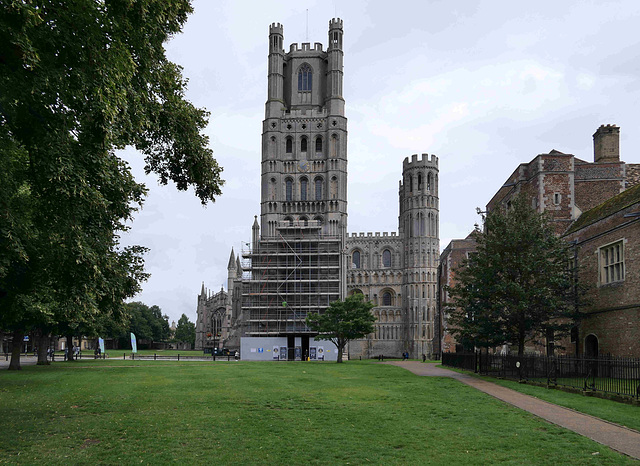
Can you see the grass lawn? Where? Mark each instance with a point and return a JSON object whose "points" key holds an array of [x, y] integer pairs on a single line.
{"points": [[128, 412], [614, 411]]}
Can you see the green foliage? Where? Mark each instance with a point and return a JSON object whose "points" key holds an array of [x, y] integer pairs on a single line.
{"points": [[117, 412], [519, 284], [147, 323], [343, 321], [81, 79], [185, 330]]}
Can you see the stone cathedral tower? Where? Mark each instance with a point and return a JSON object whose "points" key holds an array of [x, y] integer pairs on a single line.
{"points": [[301, 257], [419, 227], [304, 136], [295, 265]]}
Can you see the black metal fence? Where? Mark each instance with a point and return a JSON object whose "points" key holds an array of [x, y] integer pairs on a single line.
{"points": [[606, 374]]}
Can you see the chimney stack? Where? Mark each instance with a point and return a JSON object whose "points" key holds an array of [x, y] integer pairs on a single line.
{"points": [[606, 144]]}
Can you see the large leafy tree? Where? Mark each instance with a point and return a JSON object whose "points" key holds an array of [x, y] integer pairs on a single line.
{"points": [[343, 321], [519, 284], [147, 322], [185, 330], [81, 79]]}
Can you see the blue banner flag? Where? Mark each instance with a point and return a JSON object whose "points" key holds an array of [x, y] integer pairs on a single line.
{"points": [[101, 344], [134, 345]]}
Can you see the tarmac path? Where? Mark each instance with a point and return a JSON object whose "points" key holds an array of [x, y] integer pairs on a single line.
{"points": [[615, 436]]}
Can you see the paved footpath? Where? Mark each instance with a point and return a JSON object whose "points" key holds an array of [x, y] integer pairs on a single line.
{"points": [[617, 437]]}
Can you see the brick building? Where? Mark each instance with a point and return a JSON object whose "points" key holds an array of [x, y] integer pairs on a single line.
{"points": [[607, 242], [453, 256], [586, 203]]}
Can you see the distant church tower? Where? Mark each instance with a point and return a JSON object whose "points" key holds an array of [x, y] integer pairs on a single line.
{"points": [[295, 264]]}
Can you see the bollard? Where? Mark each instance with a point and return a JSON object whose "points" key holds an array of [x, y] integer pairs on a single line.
{"points": [[214, 356], [124, 356]]}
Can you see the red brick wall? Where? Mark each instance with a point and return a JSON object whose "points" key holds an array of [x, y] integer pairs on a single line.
{"points": [[613, 310]]}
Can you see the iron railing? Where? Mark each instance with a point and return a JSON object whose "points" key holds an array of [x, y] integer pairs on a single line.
{"points": [[605, 373]]}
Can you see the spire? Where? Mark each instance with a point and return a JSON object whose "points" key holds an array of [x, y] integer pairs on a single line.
{"points": [[202, 291], [232, 260], [239, 268], [255, 230]]}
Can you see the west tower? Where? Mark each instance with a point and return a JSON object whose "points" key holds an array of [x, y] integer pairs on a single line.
{"points": [[295, 263]]}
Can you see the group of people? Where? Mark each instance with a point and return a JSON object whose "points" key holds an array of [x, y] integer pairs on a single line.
{"points": [[75, 352]]}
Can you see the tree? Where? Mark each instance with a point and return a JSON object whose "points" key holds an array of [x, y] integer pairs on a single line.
{"points": [[185, 330], [517, 286], [146, 322], [81, 79], [343, 321]]}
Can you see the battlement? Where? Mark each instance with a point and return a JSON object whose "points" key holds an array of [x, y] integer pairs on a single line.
{"points": [[305, 47], [276, 28], [335, 23], [369, 234], [608, 129], [424, 161]]}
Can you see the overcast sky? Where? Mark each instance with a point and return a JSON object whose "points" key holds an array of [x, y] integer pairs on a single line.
{"points": [[484, 85]]}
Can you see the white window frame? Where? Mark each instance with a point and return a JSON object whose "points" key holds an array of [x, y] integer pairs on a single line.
{"points": [[611, 263]]}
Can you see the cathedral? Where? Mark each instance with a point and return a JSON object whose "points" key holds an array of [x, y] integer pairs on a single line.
{"points": [[301, 256]]}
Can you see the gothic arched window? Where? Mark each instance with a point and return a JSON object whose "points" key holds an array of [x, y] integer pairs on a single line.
{"points": [[355, 259], [386, 298], [289, 190], [318, 144], [304, 78], [419, 181], [303, 189], [303, 144], [289, 146], [318, 182], [386, 258]]}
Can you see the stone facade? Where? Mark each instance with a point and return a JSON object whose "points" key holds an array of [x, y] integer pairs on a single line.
{"points": [[398, 273], [301, 257]]}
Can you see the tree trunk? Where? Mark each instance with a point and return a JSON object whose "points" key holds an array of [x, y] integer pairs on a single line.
{"points": [[340, 351], [18, 336], [43, 345], [69, 347], [520, 344]]}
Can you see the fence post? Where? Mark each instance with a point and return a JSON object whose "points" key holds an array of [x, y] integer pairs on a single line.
{"points": [[124, 356], [154, 356], [178, 356]]}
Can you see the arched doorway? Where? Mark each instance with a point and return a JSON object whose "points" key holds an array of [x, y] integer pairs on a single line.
{"points": [[591, 346]]}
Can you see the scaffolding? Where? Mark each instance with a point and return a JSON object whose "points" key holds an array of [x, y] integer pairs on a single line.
{"points": [[287, 277]]}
